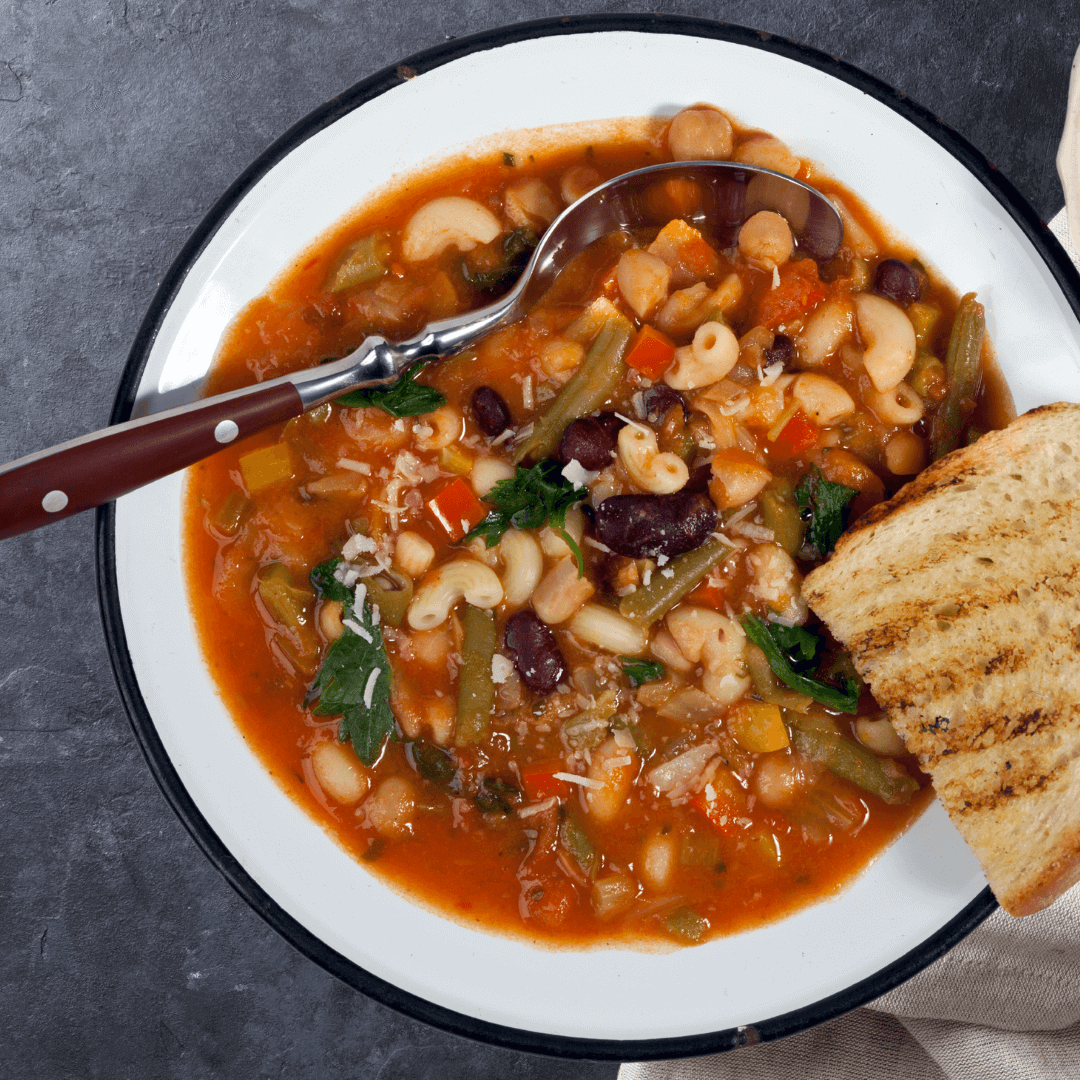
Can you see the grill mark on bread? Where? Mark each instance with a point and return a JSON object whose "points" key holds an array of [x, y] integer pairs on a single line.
{"points": [[959, 600]]}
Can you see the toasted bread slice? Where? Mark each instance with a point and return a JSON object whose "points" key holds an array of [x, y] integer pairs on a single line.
{"points": [[959, 600]]}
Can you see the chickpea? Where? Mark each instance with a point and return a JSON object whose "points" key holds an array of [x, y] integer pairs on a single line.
{"points": [[576, 182], [391, 807], [643, 281], [330, 620], [766, 239], [905, 453], [560, 358], [767, 153], [700, 135], [780, 778]]}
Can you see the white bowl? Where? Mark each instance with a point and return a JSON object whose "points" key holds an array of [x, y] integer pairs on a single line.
{"points": [[920, 896]]}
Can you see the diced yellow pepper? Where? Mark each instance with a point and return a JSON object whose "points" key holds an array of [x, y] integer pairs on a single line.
{"points": [[267, 466], [924, 318], [758, 726], [455, 460]]}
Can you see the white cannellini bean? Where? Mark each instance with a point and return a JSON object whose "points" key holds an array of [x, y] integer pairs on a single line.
{"points": [[692, 625], [553, 544], [860, 242], [340, 772], [462, 579], [643, 280], [604, 626], [879, 736], [413, 554], [778, 582], [450, 221], [656, 473], [901, 405], [523, 566], [822, 399], [657, 861], [889, 338], [605, 803], [825, 331], [390, 808], [487, 472], [561, 592]]}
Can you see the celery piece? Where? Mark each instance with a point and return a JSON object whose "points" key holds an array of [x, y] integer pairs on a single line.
{"points": [[687, 925], [231, 512], [363, 262], [574, 838], [780, 514], [392, 592]]}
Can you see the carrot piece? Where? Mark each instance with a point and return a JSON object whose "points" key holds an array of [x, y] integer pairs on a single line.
{"points": [[800, 289], [539, 781], [650, 353], [797, 435], [456, 509]]}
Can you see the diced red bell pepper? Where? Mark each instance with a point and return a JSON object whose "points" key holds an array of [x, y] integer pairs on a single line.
{"points": [[540, 783], [456, 509], [651, 353], [722, 801], [797, 436]]}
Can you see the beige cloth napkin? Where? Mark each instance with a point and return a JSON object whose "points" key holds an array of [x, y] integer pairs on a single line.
{"points": [[1004, 1004]]}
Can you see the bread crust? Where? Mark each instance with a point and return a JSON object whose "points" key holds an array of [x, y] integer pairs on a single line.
{"points": [[959, 600]]}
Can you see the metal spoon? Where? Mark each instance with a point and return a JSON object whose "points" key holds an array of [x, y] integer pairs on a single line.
{"points": [[96, 468]]}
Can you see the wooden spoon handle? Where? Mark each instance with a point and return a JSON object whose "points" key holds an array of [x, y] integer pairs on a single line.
{"points": [[89, 471]]}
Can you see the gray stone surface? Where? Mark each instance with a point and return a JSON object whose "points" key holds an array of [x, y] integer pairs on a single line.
{"points": [[122, 952]]}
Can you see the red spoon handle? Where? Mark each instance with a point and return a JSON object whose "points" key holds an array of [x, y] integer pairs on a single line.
{"points": [[87, 472]]}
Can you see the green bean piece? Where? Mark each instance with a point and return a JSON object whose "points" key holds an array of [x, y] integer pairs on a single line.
{"points": [[476, 689], [700, 849], [574, 838], [819, 738], [231, 512], [687, 925], [642, 742], [962, 368], [591, 385], [392, 592], [290, 605], [653, 601], [365, 261], [781, 514]]}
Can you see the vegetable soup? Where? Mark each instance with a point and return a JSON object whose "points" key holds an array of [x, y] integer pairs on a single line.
{"points": [[524, 630]]}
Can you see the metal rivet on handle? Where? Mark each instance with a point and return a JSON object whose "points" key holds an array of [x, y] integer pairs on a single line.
{"points": [[54, 502], [226, 431]]}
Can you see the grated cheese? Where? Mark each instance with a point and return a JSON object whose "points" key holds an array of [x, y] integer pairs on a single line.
{"points": [[577, 474], [501, 668], [502, 438], [357, 629], [359, 596], [597, 544], [667, 572], [584, 781], [527, 399], [771, 374], [735, 405], [357, 545], [775, 277], [537, 808], [758, 533], [369, 689]]}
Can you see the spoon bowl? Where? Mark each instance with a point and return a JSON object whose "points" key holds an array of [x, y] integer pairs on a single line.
{"points": [[96, 468]]}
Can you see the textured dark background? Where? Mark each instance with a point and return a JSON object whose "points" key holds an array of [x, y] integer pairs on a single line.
{"points": [[122, 952]]}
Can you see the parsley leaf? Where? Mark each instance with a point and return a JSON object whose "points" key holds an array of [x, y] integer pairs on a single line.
{"points": [[823, 502], [765, 636], [346, 670], [406, 397], [517, 248], [800, 645], [530, 499], [641, 671]]}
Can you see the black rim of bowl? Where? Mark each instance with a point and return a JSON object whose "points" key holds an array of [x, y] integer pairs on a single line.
{"points": [[175, 793]]}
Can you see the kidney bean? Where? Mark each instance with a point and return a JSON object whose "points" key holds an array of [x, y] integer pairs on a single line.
{"points": [[590, 441], [659, 400], [782, 349], [899, 281], [647, 526], [535, 652], [491, 412]]}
